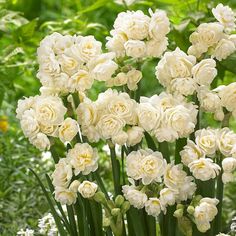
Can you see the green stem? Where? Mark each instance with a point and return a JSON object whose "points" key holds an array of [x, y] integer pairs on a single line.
{"points": [[72, 221], [164, 149], [180, 143], [115, 169]]}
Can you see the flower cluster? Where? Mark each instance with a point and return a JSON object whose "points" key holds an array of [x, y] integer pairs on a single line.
{"points": [[200, 156], [214, 38], [205, 212], [179, 73], [43, 116], [167, 117], [111, 116], [82, 158], [138, 35], [151, 168], [130, 77], [47, 225], [71, 63]]}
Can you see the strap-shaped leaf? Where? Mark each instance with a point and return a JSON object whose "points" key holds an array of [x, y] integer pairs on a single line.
{"points": [[54, 212]]}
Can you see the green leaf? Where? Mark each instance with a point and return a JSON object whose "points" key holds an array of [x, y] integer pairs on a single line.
{"points": [[150, 142], [53, 211], [96, 5], [26, 31], [230, 63]]}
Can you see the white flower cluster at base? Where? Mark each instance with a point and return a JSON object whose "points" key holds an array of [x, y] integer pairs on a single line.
{"points": [[151, 168], [200, 156], [82, 158]]}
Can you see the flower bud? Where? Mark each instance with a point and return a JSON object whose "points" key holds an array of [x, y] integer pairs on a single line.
{"points": [[180, 206], [178, 213], [74, 186], [125, 207], [100, 197], [119, 200], [190, 210], [106, 222], [110, 204], [115, 211]]}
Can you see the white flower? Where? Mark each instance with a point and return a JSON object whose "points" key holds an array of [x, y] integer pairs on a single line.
{"points": [[40, 141], [68, 130], [152, 167], [122, 106], [87, 48], [120, 138], [206, 140], [180, 120], [210, 102], [174, 176], [228, 97], [116, 43], [204, 169], [177, 180], [225, 15], [103, 67], [24, 105], [226, 141], [49, 110], [135, 135], [109, 125], [205, 212], [148, 116], [29, 123], [204, 72], [229, 164], [133, 164], [190, 153], [65, 196], [155, 48], [68, 65], [87, 189], [135, 197], [159, 25], [227, 177], [133, 77], [135, 48], [83, 158], [120, 79], [221, 234], [207, 35], [153, 206], [74, 186], [27, 232], [47, 225], [168, 196], [176, 64], [62, 174], [80, 81], [185, 86], [224, 48], [87, 113], [134, 24]]}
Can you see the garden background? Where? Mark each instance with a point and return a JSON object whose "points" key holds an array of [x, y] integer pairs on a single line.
{"points": [[23, 24]]}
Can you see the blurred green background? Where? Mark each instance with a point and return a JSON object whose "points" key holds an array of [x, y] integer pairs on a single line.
{"points": [[23, 23]]}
